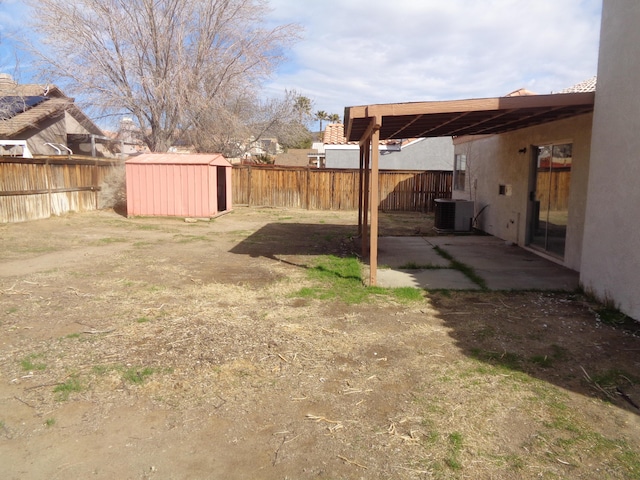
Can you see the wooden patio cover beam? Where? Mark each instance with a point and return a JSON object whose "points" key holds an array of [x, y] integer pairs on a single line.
{"points": [[491, 106]]}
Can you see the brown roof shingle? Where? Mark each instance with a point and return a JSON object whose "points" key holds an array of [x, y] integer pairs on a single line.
{"points": [[56, 104]]}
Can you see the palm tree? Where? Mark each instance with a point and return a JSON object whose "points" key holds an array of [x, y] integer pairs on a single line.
{"points": [[320, 116], [302, 105], [335, 118]]}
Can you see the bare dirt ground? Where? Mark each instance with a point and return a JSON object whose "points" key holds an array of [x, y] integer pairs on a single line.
{"points": [[154, 348]]}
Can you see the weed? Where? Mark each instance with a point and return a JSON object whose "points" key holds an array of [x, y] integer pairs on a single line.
{"points": [[147, 227], [341, 278], [466, 270], [30, 363], [50, 422], [72, 335], [416, 266], [108, 240], [508, 360], [487, 331], [181, 238], [559, 353], [142, 320], [610, 381], [407, 294], [101, 369], [137, 375], [65, 389], [543, 361], [452, 460], [11, 310]]}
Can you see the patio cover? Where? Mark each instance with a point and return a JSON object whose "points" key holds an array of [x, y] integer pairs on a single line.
{"points": [[368, 124]]}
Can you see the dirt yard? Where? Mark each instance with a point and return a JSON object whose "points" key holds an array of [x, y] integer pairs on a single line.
{"points": [[158, 349]]}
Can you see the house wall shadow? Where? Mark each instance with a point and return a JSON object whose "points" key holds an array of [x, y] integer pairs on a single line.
{"points": [[550, 336], [554, 337]]}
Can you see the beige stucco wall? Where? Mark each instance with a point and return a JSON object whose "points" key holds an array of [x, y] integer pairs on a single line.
{"points": [[611, 254], [51, 130], [496, 160]]}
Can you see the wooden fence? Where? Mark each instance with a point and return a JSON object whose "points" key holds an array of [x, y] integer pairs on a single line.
{"points": [[35, 188], [336, 189], [552, 189]]}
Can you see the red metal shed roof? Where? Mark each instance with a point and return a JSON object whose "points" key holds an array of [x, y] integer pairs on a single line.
{"points": [[180, 159]]}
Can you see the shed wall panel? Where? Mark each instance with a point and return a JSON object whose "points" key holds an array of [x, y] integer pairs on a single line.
{"points": [[182, 188]]}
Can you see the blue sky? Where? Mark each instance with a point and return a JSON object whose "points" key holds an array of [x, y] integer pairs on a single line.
{"points": [[357, 52]]}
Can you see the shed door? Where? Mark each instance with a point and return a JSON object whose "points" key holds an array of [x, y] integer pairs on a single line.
{"points": [[222, 188], [550, 198]]}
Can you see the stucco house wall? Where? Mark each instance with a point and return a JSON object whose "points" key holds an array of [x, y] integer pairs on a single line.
{"points": [[611, 253], [496, 160], [421, 154]]}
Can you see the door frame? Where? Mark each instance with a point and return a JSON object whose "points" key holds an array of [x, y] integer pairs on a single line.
{"points": [[532, 212]]}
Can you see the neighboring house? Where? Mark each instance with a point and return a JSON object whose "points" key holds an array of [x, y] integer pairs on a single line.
{"points": [[262, 147], [294, 157], [558, 173], [405, 154], [47, 120]]}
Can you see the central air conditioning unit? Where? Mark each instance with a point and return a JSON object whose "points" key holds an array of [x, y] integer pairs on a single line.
{"points": [[453, 215]]}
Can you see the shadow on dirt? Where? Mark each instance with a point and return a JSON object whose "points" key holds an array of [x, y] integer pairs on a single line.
{"points": [[552, 336], [275, 240]]}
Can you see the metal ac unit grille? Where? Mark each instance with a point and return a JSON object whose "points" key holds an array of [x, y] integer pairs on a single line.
{"points": [[453, 215]]}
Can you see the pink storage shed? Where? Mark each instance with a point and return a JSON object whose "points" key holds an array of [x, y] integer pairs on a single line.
{"points": [[181, 185]]}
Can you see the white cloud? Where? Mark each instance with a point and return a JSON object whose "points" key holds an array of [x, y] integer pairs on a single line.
{"points": [[373, 51]]}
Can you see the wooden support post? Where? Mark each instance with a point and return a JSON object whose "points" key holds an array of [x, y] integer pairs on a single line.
{"points": [[365, 208], [373, 249], [360, 190]]}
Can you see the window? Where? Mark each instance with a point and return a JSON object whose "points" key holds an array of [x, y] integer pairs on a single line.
{"points": [[459, 172]]}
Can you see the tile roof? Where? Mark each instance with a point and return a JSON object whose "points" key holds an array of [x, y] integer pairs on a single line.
{"points": [[521, 92], [334, 135], [588, 85]]}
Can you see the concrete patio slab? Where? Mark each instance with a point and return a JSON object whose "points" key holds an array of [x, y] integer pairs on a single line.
{"points": [[396, 252], [501, 265], [430, 279]]}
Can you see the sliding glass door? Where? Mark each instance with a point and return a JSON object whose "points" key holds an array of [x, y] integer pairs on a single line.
{"points": [[550, 205]]}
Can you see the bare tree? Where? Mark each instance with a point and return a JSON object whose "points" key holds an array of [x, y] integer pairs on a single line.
{"points": [[230, 128], [172, 65]]}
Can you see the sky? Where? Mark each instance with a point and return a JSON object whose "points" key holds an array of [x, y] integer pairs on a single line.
{"points": [[360, 52]]}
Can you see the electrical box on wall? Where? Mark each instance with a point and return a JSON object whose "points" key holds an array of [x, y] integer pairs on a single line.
{"points": [[506, 190]]}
